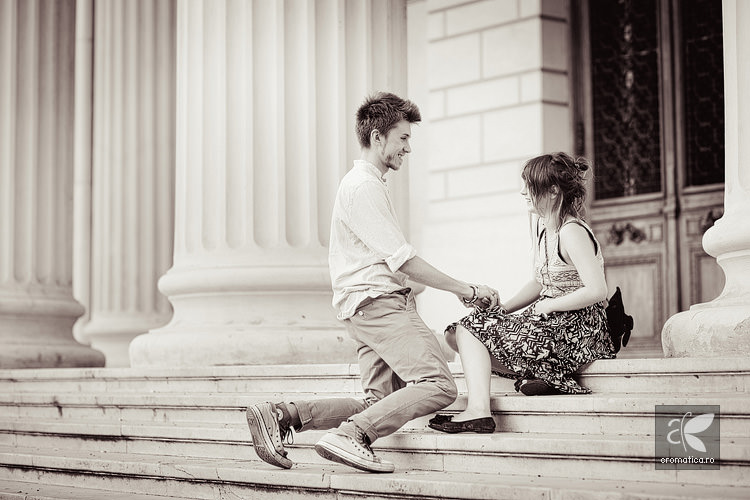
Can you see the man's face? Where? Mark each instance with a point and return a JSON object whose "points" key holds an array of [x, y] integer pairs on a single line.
{"points": [[396, 145]]}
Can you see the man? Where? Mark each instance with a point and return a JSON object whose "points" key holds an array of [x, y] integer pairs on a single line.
{"points": [[370, 261]]}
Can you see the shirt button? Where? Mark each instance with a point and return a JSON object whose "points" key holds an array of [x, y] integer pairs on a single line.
{"points": [[361, 313]]}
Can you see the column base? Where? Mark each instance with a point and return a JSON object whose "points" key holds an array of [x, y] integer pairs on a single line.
{"points": [[115, 348], [36, 331], [50, 356], [112, 334], [708, 330], [720, 327], [227, 346], [246, 315]]}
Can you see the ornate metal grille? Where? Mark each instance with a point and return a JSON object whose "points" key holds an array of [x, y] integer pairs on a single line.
{"points": [[703, 80], [625, 87]]}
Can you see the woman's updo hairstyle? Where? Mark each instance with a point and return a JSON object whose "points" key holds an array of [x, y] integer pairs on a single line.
{"points": [[544, 172]]}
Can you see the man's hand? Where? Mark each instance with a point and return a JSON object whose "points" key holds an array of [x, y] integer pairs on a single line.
{"points": [[482, 296]]}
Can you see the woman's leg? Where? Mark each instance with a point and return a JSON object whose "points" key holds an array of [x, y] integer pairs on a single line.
{"points": [[496, 365], [475, 359]]}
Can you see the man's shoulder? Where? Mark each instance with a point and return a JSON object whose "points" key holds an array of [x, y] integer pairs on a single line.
{"points": [[355, 179]]}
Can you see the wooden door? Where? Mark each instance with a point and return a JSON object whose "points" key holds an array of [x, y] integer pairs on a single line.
{"points": [[650, 114]]}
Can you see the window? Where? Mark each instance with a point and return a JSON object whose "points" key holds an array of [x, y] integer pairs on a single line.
{"points": [[630, 40]]}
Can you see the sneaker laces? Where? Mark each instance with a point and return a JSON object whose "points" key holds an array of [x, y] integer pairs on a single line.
{"points": [[287, 436], [364, 440], [285, 430]]}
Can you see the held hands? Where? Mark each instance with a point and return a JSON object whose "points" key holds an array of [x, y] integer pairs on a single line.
{"points": [[488, 297], [482, 297]]}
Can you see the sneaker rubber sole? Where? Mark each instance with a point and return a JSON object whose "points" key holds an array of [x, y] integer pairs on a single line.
{"points": [[262, 440], [333, 447]]}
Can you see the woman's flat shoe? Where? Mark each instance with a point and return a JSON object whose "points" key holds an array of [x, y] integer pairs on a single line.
{"points": [[536, 387], [485, 425], [440, 418]]}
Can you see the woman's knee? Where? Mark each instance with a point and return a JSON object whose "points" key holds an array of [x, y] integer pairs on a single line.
{"points": [[450, 339]]}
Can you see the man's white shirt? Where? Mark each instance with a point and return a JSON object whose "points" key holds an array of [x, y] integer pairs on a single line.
{"points": [[367, 246]]}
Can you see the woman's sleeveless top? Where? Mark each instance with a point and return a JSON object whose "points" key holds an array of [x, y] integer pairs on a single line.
{"points": [[557, 277]]}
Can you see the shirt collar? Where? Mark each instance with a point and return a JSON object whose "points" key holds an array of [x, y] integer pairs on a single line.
{"points": [[370, 168]]}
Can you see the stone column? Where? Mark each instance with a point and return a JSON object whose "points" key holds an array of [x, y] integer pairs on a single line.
{"points": [[37, 308], [82, 153], [266, 93], [722, 327], [132, 173]]}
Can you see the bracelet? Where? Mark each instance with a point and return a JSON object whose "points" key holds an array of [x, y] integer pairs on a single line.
{"points": [[475, 295]]}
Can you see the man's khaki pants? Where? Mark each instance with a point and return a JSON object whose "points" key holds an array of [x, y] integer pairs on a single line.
{"points": [[395, 348]]}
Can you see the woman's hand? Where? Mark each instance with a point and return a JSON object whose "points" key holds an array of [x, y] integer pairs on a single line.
{"points": [[488, 297], [482, 296]]}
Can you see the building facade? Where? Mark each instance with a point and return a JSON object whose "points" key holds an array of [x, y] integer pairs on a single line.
{"points": [[169, 166]]}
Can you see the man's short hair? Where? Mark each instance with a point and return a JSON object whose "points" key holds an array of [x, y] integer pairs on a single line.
{"points": [[382, 111]]}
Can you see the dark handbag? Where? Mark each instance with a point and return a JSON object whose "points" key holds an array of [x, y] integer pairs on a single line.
{"points": [[620, 324]]}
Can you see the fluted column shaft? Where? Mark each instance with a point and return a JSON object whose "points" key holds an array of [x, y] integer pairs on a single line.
{"points": [[722, 327], [266, 93], [37, 308], [132, 172]]}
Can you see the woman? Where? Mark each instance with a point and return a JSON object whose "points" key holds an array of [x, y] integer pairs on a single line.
{"points": [[563, 325]]}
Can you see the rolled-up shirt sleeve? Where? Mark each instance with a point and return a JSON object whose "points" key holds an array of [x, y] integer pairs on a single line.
{"points": [[372, 220], [404, 253]]}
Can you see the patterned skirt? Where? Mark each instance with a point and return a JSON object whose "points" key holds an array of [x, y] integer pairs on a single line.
{"points": [[550, 349]]}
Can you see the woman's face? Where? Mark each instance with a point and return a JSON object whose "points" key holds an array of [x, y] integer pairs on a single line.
{"points": [[527, 196], [540, 206]]}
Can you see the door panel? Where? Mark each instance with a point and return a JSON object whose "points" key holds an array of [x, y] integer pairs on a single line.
{"points": [[634, 246], [649, 113], [640, 280]]}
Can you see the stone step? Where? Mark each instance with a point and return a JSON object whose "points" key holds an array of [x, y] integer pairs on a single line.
{"points": [[617, 375], [614, 413], [201, 478], [575, 456], [22, 490], [108, 423]]}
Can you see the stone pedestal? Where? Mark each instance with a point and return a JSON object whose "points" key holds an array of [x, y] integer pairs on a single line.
{"points": [[722, 327], [266, 94], [37, 308], [132, 173]]}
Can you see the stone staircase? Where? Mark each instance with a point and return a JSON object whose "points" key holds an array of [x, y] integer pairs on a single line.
{"points": [[147, 434]]}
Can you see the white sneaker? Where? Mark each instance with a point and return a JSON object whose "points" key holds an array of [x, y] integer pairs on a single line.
{"points": [[268, 436], [354, 453]]}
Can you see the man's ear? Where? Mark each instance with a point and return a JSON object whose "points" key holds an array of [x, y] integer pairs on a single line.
{"points": [[554, 190], [375, 136]]}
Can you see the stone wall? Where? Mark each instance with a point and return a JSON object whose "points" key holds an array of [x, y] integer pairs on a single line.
{"points": [[493, 80]]}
